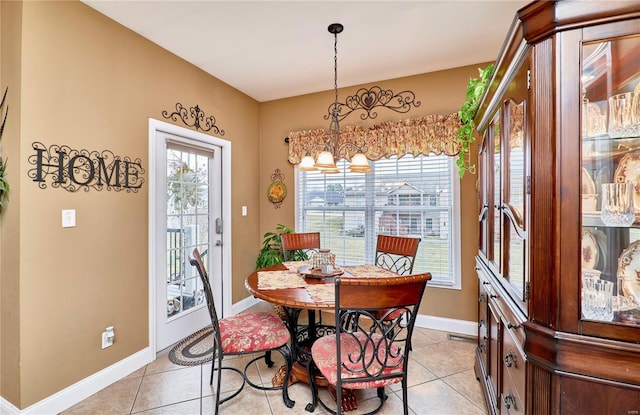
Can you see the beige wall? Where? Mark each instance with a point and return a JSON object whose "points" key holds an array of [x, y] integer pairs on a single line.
{"points": [[76, 78], [80, 79], [439, 93], [10, 76]]}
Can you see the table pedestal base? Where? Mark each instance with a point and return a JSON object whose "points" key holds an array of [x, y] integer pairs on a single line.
{"points": [[299, 374]]}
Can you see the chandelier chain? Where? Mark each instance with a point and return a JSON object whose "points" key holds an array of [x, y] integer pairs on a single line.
{"points": [[335, 70]]}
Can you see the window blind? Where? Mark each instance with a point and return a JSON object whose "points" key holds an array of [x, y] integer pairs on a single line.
{"points": [[408, 196]]}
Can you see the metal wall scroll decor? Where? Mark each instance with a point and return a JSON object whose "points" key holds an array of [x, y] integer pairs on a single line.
{"points": [[277, 190], [198, 117], [73, 170], [6, 111], [369, 99]]}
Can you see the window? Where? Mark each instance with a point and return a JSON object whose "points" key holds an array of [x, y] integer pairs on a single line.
{"points": [[410, 196]]}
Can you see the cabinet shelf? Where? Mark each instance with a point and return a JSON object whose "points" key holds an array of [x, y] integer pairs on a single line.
{"points": [[593, 220]]}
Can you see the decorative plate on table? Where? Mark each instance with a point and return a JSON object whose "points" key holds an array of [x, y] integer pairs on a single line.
{"points": [[629, 169], [589, 250], [629, 271], [309, 272]]}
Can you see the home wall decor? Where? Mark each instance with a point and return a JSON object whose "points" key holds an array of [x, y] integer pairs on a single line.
{"points": [[367, 100], [197, 115], [72, 169]]}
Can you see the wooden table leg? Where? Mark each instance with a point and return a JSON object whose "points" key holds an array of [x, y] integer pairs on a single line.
{"points": [[349, 402], [298, 374], [301, 354], [278, 378]]}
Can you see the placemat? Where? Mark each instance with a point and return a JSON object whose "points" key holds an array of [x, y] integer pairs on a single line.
{"points": [[368, 271], [294, 265], [323, 293], [275, 280]]}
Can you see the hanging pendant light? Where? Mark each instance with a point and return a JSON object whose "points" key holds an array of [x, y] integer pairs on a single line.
{"points": [[326, 161], [307, 164], [359, 164]]}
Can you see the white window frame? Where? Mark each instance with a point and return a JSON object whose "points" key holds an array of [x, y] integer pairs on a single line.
{"points": [[456, 282]]}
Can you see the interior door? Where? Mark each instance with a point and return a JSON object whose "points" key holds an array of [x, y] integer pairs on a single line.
{"points": [[188, 216]]}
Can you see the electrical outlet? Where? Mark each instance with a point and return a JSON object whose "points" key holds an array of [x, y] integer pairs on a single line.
{"points": [[108, 337]]}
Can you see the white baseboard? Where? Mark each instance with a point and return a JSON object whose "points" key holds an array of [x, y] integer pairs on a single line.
{"points": [[242, 305], [81, 390], [467, 328]]}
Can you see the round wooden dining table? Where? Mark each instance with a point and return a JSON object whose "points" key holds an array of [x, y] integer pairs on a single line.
{"points": [[293, 301], [298, 297]]}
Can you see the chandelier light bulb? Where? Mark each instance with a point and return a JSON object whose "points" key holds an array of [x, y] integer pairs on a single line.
{"points": [[325, 160], [359, 164], [307, 164]]}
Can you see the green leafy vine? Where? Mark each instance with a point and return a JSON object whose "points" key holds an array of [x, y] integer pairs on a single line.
{"points": [[4, 183], [475, 90]]}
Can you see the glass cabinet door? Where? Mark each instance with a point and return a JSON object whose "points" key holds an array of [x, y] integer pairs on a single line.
{"points": [[495, 255], [610, 181], [513, 206], [484, 196]]}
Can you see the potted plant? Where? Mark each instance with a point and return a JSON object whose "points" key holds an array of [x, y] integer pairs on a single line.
{"points": [[271, 251], [475, 90]]}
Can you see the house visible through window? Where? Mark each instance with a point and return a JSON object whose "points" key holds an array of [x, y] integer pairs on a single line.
{"points": [[410, 196]]}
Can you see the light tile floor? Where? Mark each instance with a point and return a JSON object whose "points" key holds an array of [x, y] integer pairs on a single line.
{"points": [[441, 382]]}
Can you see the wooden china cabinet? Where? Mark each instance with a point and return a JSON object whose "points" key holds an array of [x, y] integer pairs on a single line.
{"points": [[559, 225]]}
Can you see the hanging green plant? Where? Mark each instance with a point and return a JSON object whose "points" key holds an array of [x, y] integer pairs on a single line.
{"points": [[4, 184], [475, 90]]}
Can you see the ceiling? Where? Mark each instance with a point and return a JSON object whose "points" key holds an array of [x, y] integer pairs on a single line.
{"points": [[278, 49]]}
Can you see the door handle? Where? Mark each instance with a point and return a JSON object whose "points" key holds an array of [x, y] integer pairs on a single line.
{"points": [[219, 226]]}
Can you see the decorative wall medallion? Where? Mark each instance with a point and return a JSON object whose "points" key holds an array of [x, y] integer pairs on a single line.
{"points": [[369, 99], [197, 115], [277, 190], [73, 169]]}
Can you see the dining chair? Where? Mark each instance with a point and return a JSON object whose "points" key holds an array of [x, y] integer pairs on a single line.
{"points": [[299, 246], [371, 353], [396, 253], [242, 334]]}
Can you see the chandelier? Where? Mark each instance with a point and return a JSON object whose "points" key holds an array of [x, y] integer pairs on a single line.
{"points": [[331, 149]]}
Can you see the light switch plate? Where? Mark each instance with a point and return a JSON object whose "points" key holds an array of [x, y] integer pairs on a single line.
{"points": [[244, 211], [68, 218]]}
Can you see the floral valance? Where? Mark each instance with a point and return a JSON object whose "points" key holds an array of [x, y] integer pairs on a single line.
{"points": [[425, 135]]}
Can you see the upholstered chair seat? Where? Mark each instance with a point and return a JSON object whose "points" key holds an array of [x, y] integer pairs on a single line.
{"points": [[252, 332], [359, 360]]}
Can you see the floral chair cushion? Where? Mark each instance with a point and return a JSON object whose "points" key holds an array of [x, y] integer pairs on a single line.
{"points": [[324, 356], [252, 332]]}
